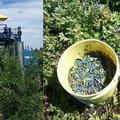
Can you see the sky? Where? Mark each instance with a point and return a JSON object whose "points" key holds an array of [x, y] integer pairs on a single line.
{"points": [[29, 15]]}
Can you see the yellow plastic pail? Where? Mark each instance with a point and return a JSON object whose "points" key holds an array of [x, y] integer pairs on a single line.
{"points": [[79, 50]]}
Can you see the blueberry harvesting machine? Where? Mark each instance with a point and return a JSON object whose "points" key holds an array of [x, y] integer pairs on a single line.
{"points": [[11, 38]]}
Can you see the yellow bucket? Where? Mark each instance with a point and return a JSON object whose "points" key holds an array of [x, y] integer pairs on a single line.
{"points": [[79, 50]]}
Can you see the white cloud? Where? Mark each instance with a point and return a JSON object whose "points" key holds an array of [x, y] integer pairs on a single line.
{"points": [[28, 15]]}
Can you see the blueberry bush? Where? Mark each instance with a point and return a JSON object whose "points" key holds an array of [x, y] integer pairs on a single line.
{"points": [[20, 94], [65, 23]]}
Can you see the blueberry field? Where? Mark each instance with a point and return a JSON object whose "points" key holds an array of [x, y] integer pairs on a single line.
{"points": [[21, 91], [65, 23]]}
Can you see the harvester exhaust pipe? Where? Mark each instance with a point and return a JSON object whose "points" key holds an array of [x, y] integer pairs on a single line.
{"points": [[19, 52]]}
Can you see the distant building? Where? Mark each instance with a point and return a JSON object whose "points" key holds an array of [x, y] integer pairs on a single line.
{"points": [[28, 55]]}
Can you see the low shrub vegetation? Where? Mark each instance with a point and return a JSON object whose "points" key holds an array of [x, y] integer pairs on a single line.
{"points": [[65, 23], [21, 89]]}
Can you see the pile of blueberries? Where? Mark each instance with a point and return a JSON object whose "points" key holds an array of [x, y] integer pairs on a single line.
{"points": [[87, 75]]}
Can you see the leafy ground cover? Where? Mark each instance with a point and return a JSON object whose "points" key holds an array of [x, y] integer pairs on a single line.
{"points": [[66, 22]]}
